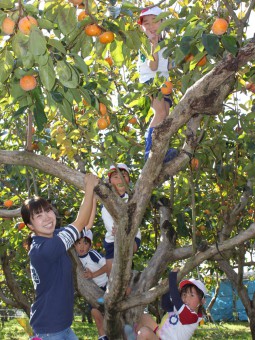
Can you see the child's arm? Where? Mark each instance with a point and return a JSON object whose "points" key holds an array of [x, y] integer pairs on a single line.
{"points": [[91, 275], [85, 210], [93, 213], [153, 64], [173, 290]]}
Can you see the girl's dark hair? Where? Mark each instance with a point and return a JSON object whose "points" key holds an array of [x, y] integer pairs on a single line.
{"points": [[201, 295], [30, 207], [33, 206]]}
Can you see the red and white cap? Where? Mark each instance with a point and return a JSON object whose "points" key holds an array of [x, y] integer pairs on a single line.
{"points": [[120, 166], [89, 235], [149, 11], [194, 282]]}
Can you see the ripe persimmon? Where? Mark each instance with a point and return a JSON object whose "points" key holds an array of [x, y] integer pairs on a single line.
{"points": [[35, 146], [132, 120], [102, 109], [85, 103], [75, 2], [102, 123], [219, 26], [8, 26], [26, 23], [21, 225], [92, 30], [27, 83], [109, 60], [202, 61], [194, 163], [189, 57], [106, 37], [82, 15], [167, 88], [8, 203]]}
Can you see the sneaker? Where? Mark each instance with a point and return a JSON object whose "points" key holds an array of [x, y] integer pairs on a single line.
{"points": [[129, 332], [170, 155], [101, 300]]}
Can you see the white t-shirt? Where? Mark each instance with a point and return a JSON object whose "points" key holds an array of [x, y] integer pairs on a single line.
{"points": [[108, 223], [146, 73], [94, 261]]}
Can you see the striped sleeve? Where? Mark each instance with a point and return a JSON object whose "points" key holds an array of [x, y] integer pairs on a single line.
{"points": [[69, 235], [95, 256]]}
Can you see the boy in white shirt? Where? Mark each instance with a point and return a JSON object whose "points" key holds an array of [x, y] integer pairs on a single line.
{"points": [[94, 265]]}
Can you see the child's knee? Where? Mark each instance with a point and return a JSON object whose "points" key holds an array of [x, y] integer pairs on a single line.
{"points": [[144, 333]]}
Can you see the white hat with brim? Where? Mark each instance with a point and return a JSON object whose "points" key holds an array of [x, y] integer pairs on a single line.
{"points": [[194, 282], [89, 235], [149, 11], [120, 166]]}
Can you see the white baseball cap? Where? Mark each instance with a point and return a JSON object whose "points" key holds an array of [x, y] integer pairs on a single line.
{"points": [[120, 166], [149, 11], [89, 235], [194, 282]]}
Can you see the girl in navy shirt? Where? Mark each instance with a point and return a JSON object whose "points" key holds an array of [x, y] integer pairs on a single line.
{"points": [[51, 314]]}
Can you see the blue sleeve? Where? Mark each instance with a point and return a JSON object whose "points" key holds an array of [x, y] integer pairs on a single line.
{"points": [[68, 235], [95, 256], [173, 291]]}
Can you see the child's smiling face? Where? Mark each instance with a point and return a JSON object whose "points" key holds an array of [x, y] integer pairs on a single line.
{"points": [[117, 181], [150, 26], [82, 246], [191, 299]]}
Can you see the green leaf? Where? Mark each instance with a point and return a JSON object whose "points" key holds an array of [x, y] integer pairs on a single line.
{"points": [[58, 45], [28, 60], [46, 24], [63, 70], [37, 42], [67, 20], [230, 43], [6, 4], [122, 140], [47, 74], [40, 117], [86, 45], [133, 36], [66, 110], [20, 44], [20, 111], [6, 65], [67, 75], [117, 53], [85, 95], [57, 96], [185, 44], [80, 64], [211, 43]]}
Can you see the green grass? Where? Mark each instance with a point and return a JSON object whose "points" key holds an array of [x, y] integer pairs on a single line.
{"points": [[218, 331], [223, 331]]}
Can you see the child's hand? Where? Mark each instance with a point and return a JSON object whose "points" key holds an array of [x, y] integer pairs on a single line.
{"points": [[91, 180], [114, 230], [154, 38], [88, 274], [176, 269]]}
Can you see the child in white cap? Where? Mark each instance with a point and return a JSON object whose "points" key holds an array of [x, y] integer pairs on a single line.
{"points": [[148, 69], [94, 265], [184, 312], [120, 187]]}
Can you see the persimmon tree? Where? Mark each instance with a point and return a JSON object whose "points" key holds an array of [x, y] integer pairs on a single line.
{"points": [[85, 110]]}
